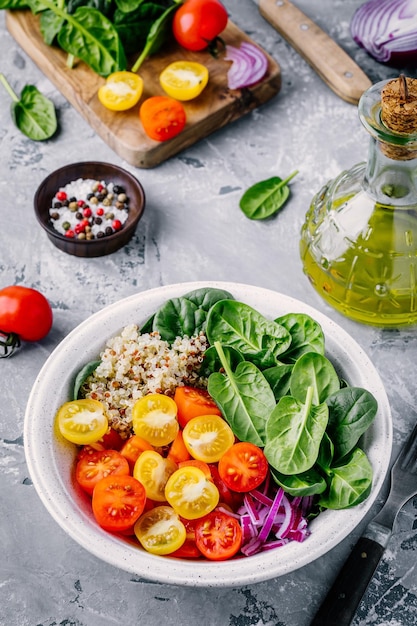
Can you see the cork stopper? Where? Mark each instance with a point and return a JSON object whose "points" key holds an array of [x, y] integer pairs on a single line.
{"points": [[399, 113]]}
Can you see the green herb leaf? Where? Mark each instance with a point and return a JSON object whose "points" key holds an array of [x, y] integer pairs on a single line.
{"points": [[82, 376], [157, 34], [265, 198], [34, 114]]}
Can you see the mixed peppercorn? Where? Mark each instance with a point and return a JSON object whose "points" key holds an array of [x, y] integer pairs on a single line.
{"points": [[88, 209]]}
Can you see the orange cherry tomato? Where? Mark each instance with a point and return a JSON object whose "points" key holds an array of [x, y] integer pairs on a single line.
{"points": [[92, 467], [218, 536], [118, 502], [189, 549], [200, 464], [192, 402], [243, 467], [177, 451], [133, 448], [162, 117]]}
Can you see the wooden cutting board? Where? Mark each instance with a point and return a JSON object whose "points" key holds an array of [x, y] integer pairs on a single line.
{"points": [[122, 131]]}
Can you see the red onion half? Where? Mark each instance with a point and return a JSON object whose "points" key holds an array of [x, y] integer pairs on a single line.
{"points": [[387, 29], [249, 65]]}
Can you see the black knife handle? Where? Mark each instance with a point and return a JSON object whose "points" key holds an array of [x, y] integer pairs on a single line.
{"points": [[340, 604]]}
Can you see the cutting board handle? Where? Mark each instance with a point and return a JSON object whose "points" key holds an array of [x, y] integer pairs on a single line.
{"points": [[326, 57]]}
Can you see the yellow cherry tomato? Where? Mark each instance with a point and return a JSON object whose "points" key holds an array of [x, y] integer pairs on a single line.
{"points": [[121, 91], [191, 493], [153, 470], [160, 530], [184, 80], [154, 418], [82, 421], [207, 437]]}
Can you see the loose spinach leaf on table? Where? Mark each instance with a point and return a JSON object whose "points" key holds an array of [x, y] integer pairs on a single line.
{"points": [[34, 114], [238, 325], [265, 198]]}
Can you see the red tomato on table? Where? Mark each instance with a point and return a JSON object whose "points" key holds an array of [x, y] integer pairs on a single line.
{"points": [[25, 312]]}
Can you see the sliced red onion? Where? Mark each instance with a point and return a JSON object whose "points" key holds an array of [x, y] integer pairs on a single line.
{"points": [[249, 65], [386, 29]]}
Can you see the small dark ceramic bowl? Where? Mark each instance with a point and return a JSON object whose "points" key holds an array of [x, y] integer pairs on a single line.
{"points": [[97, 171]]}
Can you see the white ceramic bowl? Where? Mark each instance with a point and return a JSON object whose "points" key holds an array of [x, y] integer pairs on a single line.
{"points": [[50, 459]]}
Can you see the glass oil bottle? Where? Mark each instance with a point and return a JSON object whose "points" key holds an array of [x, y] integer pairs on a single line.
{"points": [[359, 240]]}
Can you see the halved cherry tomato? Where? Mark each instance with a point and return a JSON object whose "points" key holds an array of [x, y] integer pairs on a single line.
{"points": [[93, 467], [121, 91], [112, 440], [133, 448], [207, 437], [154, 418], [184, 80], [227, 496], [177, 451], [160, 531], [218, 536], [193, 402], [198, 22], [191, 493], [189, 549], [118, 502], [162, 117], [243, 467], [82, 421], [200, 464], [153, 471]]}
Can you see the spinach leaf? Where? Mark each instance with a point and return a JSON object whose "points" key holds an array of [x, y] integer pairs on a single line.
{"points": [[308, 483], [133, 26], [294, 432], [82, 376], [187, 314], [238, 325], [14, 4], [212, 362], [326, 452], [127, 6], [91, 37], [313, 370], [351, 411], [244, 397], [306, 335], [350, 482], [50, 24], [34, 114], [279, 378], [265, 198], [157, 35]]}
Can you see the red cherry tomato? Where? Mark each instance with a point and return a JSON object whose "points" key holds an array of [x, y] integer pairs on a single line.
{"points": [[92, 467], [218, 536], [25, 312], [193, 402], [118, 502], [198, 22], [243, 467]]}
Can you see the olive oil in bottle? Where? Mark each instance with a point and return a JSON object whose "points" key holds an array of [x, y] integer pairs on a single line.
{"points": [[359, 240]]}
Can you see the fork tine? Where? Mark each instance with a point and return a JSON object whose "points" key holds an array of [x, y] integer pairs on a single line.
{"points": [[407, 458]]}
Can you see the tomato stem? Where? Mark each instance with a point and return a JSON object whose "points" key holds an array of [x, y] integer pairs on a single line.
{"points": [[9, 342]]}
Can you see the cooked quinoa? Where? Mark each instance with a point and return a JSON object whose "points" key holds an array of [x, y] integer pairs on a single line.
{"points": [[133, 365]]}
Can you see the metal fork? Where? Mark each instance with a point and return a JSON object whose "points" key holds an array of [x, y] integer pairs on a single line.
{"points": [[339, 606]]}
